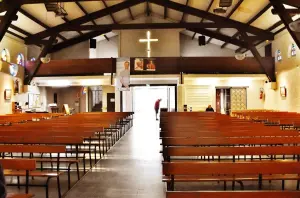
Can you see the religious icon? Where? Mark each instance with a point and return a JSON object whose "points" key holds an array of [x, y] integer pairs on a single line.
{"points": [[139, 64], [151, 66], [293, 50], [16, 86], [278, 55], [124, 77]]}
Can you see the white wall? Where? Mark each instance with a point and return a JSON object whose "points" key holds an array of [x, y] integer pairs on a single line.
{"points": [[288, 75], [206, 87], [78, 51], [190, 48], [168, 44], [6, 80], [106, 49]]}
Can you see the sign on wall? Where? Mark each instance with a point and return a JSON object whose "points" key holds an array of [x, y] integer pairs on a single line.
{"points": [[123, 75], [292, 51]]}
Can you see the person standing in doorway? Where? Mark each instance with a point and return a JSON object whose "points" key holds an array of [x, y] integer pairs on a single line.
{"points": [[156, 107]]}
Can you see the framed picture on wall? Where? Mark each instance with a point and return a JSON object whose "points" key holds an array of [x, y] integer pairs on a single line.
{"points": [[283, 91], [7, 94]]}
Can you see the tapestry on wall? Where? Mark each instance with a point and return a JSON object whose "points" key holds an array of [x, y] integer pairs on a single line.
{"points": [[238, 99]]}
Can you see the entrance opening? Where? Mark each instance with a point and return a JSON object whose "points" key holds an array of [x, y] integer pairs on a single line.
{"points": [[144, 98]]}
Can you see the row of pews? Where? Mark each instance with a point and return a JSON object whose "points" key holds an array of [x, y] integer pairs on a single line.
{"points": [[209, 147], [50, 145], [285, 120]]}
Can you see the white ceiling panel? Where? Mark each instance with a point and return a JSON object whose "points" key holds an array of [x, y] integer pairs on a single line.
{"points": [[174, 14], [39, 12], [104, 20], [70, 34], [202, 5], [138, 9], [73, 11], [27, 24], [121, 15], [228, 31], [92, 6], [157, 9], [266, 20]]}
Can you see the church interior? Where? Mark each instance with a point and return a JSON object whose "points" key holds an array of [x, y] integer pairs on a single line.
{"points": [[149, 98]]}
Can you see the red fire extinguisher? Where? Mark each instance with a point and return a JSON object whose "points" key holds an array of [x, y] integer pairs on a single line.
{"points": [[261, 93]]}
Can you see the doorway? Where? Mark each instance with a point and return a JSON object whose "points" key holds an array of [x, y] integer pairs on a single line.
{"points": [[231, 99], [111, 102], [144, 98]]}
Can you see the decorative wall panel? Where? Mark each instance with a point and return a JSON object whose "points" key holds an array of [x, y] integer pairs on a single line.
{"points": [[238, 99]]}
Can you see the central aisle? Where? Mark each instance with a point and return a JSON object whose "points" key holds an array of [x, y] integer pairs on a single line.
{"points": [[131, 169]]}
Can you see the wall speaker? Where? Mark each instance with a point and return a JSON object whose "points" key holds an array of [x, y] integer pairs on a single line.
{"points": [[201, 40], [93, 43]]}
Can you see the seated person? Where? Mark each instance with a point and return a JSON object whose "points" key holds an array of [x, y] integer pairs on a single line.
{"points": [[210, 109]]}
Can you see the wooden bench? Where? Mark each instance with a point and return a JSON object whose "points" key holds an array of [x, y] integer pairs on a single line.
{"points": [[13, 195], [237, 171], [234, 194]]}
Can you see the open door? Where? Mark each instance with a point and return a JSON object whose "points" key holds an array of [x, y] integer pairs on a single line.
{"points": [[111, 102]]}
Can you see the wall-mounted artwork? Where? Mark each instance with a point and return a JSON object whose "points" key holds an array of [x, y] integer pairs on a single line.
{"points": [[34, 100], [293, 50], [7, 94], [283, 91], [16, 86]]}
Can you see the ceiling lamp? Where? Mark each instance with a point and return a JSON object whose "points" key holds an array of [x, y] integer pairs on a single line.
{"points": [[219, 11], [45, 60], [295, 25], [240, 56]]}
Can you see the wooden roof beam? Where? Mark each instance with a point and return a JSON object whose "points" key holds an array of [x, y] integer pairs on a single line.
{"points": [[84, 19], [6, 22], [219, 36], [111, 15], [251, 21], [286, 19], [38, 22], [202, 19], [183, 14], [237, 5], [212, 17], [77, 40]]}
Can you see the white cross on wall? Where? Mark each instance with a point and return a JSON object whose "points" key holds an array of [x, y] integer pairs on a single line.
{"points": [[148, 41]]}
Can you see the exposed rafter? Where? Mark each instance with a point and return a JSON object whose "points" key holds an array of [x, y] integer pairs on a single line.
{"points": [[219, 36], [38, 22], [148, 26], [286, 19], [212, 17], [19, 30], [85, 19], [38, 62], [14, 34], [251, 21], [106, 37], [237, 5], [111, 15], [269, 72], [6, 23], [77, 40], [202, 19], [183, 14], [148, 10], [84, 11], [67, 21]]}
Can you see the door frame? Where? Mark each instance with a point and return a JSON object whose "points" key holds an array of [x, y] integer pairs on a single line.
{"points": [[152, 85]]}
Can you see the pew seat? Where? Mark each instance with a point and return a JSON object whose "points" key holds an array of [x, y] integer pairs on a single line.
{"points": [[232, 178], [233, 194], [13, 195]]}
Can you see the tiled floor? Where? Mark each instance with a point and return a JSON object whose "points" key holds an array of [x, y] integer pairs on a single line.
{"points": [[132, 169]]}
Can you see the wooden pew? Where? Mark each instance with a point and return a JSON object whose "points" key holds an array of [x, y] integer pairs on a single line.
{"points": [[258, 170], [234, 194], [26, 165]]}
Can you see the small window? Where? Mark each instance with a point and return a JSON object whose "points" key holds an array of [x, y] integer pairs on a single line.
{"points": [[20, 59], [5, 55]]}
